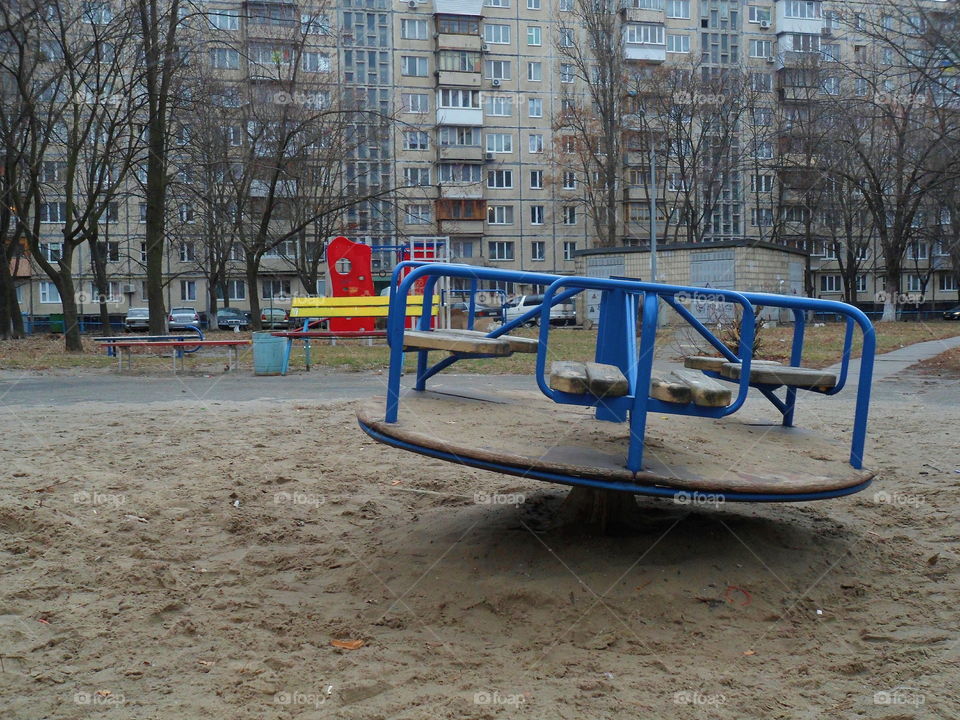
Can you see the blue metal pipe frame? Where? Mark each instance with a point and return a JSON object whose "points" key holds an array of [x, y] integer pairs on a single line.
{"points": [[638, 370]]}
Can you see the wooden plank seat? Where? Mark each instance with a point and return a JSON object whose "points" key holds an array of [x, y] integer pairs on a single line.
{"points": [[704, 391], [455, 342], [806, 378], [517, 344], [704, 362], [583, 378]]}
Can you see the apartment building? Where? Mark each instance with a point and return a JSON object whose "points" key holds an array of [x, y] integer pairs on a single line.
{"points": [[476, 90]]}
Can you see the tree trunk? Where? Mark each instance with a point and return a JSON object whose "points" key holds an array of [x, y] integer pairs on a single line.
{"points": [[98, 261], [6, 328], [599, 512], [12, 325], [252, 265], [153, 236], [68, 301], [891, 292]]}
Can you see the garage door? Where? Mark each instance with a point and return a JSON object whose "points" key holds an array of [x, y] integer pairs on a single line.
{"points": [[601, 266], [712, 269]]}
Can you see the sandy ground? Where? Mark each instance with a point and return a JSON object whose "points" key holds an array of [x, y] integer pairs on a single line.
{"points": [[195, 559]]}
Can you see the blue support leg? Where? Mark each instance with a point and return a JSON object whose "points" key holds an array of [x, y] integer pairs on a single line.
{"points": [[644, 369], [796, 357], [616, 342]]}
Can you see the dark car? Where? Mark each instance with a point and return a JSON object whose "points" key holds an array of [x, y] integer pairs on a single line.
{"points": [[229, 318], [137, 319], [952, 313]]}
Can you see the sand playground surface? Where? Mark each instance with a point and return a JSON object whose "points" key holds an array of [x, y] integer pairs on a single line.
{"points": [[266, 559]]}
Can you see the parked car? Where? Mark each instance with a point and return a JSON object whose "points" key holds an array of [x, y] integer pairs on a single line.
{"points": [[479, 310], [229, 318], [182, 317], [562, 314], [952, 313], [274, 318], [137, 319]]}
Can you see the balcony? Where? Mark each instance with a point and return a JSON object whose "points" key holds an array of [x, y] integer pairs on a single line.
{"points": [[645, 52], [461, 191], [459, 78], [462, 227], [459, 116], [786, 24], [469, 153], [449, 41]]}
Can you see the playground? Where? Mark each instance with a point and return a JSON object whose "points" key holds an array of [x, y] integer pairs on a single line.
{"points": [[151, 567], [221, 545]]}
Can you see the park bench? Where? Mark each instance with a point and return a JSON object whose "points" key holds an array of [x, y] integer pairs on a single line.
{"points": [[109, 342], [179, 347], [312, 310]]}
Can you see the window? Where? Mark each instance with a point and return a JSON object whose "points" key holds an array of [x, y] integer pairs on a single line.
{"points": [[805, 42], [188, 289], [49, 292], [499, 106], [224, 19], [536, 215], [830, 86], [761, 82], [416, 140], [536, 179], [566, 37], [416, 176], [569, 247], [569, 180], [569, 214], [758, 14], [53, 212], [763, 150], [645, 34], [236, 290], [459, 136], [497, 3], [913, 283], [458, 60], [534, 36], [566, 5], [51, 252], [462, 248], [566, 73], [418, 215], [455, 98], [678, 43], [797, 214], [143, 253], [314, 24], [534, 107], [676, 182], [918, 250], [806, 9], [316, 62], [861, 283], [413, 29], [761, 183], [499, 143], [51, 171], [533, 4], [538, 250], [678, 9], [497, 69], [458, 25], [761, 217], [413, 66], [761, 48], [496, 34], [275, 289], [459, 173], [185, 212], [96, 13], [500, 215], [500, 179], [830, 51], [416, 102], [187, 252], [534, 71], [568, 144], [535, 143], [224, 58], [948, 282], [500, 250], [830, 283], [113, 251]]}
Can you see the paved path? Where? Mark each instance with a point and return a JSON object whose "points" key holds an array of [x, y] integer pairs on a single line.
{"points": [[27, 388]]}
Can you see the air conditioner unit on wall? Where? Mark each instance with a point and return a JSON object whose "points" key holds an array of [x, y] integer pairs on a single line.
{"points": [[128, 289], [827, 32], [495, 82], [764, 24], [771, 59], [412, 4], [484, 48], [489, 157]]}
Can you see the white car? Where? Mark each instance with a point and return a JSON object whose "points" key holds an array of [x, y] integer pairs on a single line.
{"points": [[562, 314]]}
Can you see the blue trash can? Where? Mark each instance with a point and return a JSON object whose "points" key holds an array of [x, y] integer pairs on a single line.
{"points": [[268, 354]]}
